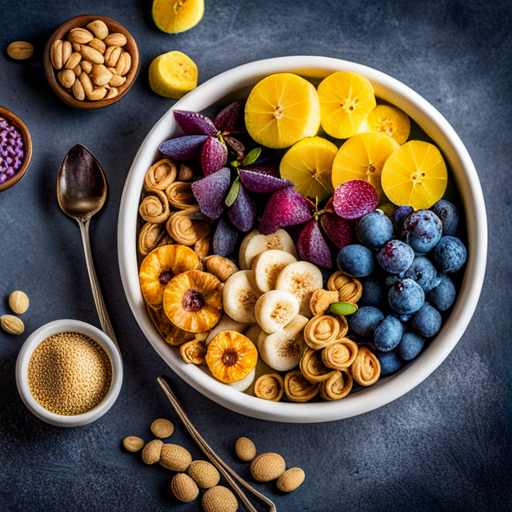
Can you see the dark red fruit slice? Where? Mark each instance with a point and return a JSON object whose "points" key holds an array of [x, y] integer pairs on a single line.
{"points": [[312, 247], [285, 207], [210, 193], [261, 182], [193, 123], [214, 156], [231, 118], [225, 239], [236, 146], [243, 212], [354, 199], [183, 148], [340, 231]]}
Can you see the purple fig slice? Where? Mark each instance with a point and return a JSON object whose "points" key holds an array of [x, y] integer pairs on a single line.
{"points": [[262, 183], [236, 146], [340, 231], [193, 123], [354, 199], [243, 212], [286, 207], [230, 119], [270, 170], [214, 156], [312, 247], [225, 239], [210, 192], [183, 148]]}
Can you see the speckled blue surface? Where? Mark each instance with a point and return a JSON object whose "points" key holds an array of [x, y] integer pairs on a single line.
{"points": [[446, 445]]}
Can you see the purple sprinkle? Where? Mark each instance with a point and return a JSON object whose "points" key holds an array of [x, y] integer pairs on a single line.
{"points": [[11, 150]]}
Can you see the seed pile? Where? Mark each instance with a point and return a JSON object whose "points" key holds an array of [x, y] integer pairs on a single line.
{"points": [[69, 374]]}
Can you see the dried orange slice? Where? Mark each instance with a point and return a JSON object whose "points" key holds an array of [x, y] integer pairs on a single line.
{"points": [[308, 165], [173, 16], [415, 175], [388, 120], [346, 99], [362, 157], [281, 110]]}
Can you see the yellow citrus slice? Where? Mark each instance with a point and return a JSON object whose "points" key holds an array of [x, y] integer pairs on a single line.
{"points": [[308, 165], [172, 75], [389, 120], [362, 157], [173, 16], [346, 99], [415, 175], [281, 110]]}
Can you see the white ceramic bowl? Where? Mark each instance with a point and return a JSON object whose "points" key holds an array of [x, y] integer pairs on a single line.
{"points": [[68, 326], [235, 83]]}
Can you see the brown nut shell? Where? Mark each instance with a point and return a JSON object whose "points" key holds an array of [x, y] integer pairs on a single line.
{"points": [[78, 90], [219, 499], [152, 451], [175, 457], [184, 488], [245, 449], [98, 44], [100, 75], [67, 78], [124, 64], [92, 55], [204, 474], [73, 60], [56, 55], [267, 467], [162, 428], [290, 480]]}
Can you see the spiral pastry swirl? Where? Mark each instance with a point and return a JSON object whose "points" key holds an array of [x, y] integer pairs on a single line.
{"points": [[298, 389], [340, 355], [366, 368], [202, 247], [154, 207], [312, 366], [160, 175], [194, 352], [269, 387], [149, 237], [337, 386], [348, 288], [324, 330], [184, 229], [180, 195]]}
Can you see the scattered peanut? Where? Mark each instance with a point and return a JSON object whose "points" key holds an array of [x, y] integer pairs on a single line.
{"points": [[184, 488], [267, 467], [18, 302], [20, 50], [290, 480], [205, 475], [175, 457], [219, 499], [152, 451], [12, 324], [162, 428], [133, 443], [245, 449]]}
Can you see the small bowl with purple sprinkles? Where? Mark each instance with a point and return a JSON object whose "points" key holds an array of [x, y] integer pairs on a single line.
{"points": [[15, 149]]}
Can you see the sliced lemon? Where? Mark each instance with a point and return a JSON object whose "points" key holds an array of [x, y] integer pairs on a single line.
{"points": [[415, 175], [281, 110], [346, 99], [308, 165], [172, 75], [388, 120], [173, 16], [362, 157]]}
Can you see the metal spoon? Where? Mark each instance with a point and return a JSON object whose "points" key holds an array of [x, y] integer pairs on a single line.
{"points": [[81, 191]]}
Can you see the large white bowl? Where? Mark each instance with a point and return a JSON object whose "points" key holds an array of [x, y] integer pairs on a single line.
{"points": [[431, 121]]}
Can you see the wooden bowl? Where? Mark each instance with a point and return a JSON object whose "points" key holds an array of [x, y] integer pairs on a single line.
{"points": [[18, 123], [61, 33]]}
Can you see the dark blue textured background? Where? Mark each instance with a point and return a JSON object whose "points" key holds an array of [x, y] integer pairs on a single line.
{"points": [[446, 445]]}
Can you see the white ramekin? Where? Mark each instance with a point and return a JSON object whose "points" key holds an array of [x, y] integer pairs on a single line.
{"points": [[22, 372], [235, 84]]}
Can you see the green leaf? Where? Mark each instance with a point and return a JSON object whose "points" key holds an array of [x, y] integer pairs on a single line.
{"points": [[343, 308], [233, 192], [235, 163], [252, 156]]}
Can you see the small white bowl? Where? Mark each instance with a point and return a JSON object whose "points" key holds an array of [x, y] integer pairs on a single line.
{"points": [[22, 372]]}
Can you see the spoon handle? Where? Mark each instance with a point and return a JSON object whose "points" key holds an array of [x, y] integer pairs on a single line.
{"points": [[106, 325]]}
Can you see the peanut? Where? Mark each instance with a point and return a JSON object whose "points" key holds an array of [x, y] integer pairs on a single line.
{"points": [[20, 50], [98, 28], [162, 428], [133, 443], [18, 302], [245, 449], [152, 451]]}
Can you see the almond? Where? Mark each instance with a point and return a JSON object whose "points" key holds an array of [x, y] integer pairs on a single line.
{"points": [[80, 35], [205, 475], [112, 55], [290, 480], [123, 64], [86, 66], [162, 428], [184, 488], [78, 70], [98, 28], [133, 443], [115, 39], [20, 50], [245, 449], [112, 93], [97, 94], [18, 302], [56, 55], [86, 81], [12, 324], [152, 451], [175, 457], [98, 44], [92, 55], [67, 50], [78, 91], [100, 75], [116, 80], [219, 499], [76, 47], [67, 78], [267, 467], [73, 60]]}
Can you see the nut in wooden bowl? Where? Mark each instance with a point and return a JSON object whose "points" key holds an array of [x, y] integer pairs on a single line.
{"points": [[102, 55]]}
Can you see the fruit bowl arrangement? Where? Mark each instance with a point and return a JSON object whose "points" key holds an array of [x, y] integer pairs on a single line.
{"points": [[238, 248]]}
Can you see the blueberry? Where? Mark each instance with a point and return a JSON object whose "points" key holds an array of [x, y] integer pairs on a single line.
{"points": [[449, 216], [356, 260], [423, 272], [373, 292], [410, 346], [406, 297], [388, 334], [427, 321], [450, 254], [364, 321], [374, 230], [401, 213], [422, 230], [443, 295], [389, 362], [395, 257], [403, 318]]}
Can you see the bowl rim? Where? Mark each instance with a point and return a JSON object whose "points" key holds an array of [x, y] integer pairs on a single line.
{"points": [[51, 74], [35, 339], [464, 172], [27, 139]]}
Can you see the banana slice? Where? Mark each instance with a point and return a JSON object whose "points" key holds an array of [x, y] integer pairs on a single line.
{"points": [[239, 296], [253, 333], [267, 266], [283, 349], [255, 243], [276, 309], [301, 279], [245, 383], [226, 324]]}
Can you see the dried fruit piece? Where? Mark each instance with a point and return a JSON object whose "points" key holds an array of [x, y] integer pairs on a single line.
{"points": [[239, 297], [269, 387], [204, 474], [20, 50], [214, 156], [231, 118], [231, 356], [180, 195], [226, 324], [321, 300], [176, 16], [285, 207], [236, 146], [340, 355], [349, 289], [193, 301], [173, 74], [267, 266], [243, 211], [257, 180], [290, 480], [210, 192], [183, 148], [160, 175], [220, 267], [184, 488], [343, 308], [245, 449], [354, 199], [312, 246], [175, 457], [187, 226], [193, 123], [389, 120], [275, 309], [225, 238]]}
